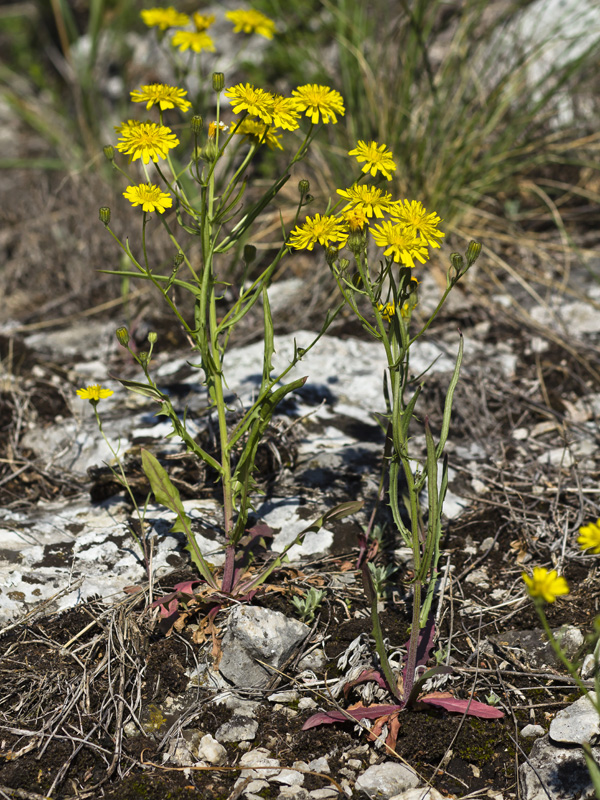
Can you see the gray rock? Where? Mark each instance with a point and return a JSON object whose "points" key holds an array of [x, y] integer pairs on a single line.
{"points": [[238, 729], [259, 757], [556, 773], [383, 781], [211, 750], [578, 723], [257, 634], [532, 731]]}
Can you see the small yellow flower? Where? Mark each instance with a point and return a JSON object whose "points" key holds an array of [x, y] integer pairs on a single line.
{"points": [[164, 96], [284, 112], [257, 102], [416, 217], [367, 199], [252, 21], [544, 584], [202, 21], [589, 537], [146, 141], [401, 243], [376, 156], [323, 230], [259, 133], [387, 311], [94, 393], [315, 100], [193, 40], [355, 219], [163, 18], [149, 197]]}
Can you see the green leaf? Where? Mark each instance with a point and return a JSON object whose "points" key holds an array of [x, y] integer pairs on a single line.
{"points": [[144, 389], [167, 495]]}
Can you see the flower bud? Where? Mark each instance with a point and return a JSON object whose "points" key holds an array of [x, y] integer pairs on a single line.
{"points": [[331, 254], [142, 357], [357, 241], [343, 264], [249, 253], [196, 124], [104, 214], [122, 335], [209, 152], [458, 262], [473, 251], [218, 81], [303, 187], [152, 337], [178, 260], [109, 152]]}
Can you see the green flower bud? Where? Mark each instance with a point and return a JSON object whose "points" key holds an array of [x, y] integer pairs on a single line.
{"points": [[196, 124], [458, 262], [303, 187], [178, 260], [218, 81], [142, 357], [104, 214], [209, 152], [152, 337], [122, 335], [331, 254], [344, 264], [357, 241], [473, 251], [109, 152]]}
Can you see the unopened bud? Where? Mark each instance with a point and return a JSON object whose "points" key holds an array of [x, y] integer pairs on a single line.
{"points": [[218, 81], [473, 251], [142, 357], [122, 335], [178, 260], [457, 262], [343, 264], [357, 241], [209, 152], [331, 254], [152, 337], [109, 152], [249, 253], [303, 187], [196, 124], [104, 214]]}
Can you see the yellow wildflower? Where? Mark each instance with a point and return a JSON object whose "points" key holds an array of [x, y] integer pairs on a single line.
{"points": [[149, 197], [367, 199], [401, 243], [146, 141], [257, 102], [163, 18], [315, 100], [589, 537], [165, 96], [545, 584], [94, 393], [323, 230], [413, 215], [193, 40], [387, 311], [202, 21], [252, 21], [259, 132], [212, 129], [377, 158]]}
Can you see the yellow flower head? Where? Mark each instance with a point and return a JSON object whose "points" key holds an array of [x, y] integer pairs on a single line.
{"points": [[387, 311], [163, 18], [202, 21], [146, 141], [252, 21], [367, 199], [259, 133], [94, 393], [544, 584], [193, 40], [257, 102], [376, 156], [164, 96], [589, 537], [413, 215], [314, 100], [284, 112], [149, 197], [323, 230], [355, 218], [401, 243]]}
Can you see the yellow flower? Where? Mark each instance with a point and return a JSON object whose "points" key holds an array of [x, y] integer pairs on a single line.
{"points": [[589, 537], [544, 584], [257, 102], [212, 129], [193, 40], [315, 100], [164, 96], [367, 199], [125, 128], [387, 311], [284, 112], [259, 133], [377, 157], [318, 229], [413, 215], [149, 197], [355, 218], [163, 18], [94, 393], [401, 243], [252, 21], [202, 21], [146, 141]]}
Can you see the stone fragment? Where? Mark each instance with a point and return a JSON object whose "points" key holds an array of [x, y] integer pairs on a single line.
{"points": [[256, 635], [259, 757], [238, 729], [383, 781], [578, 723], [211, 750], [532, 731], [420, 793], [556, 773]]}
